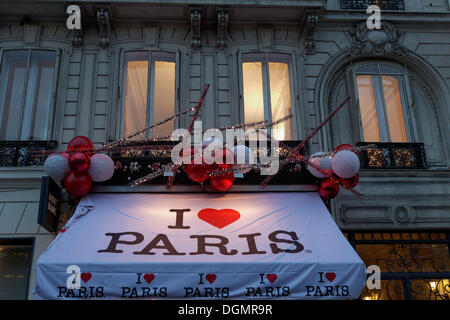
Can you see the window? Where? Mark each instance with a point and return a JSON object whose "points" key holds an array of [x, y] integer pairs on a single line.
{"points": [[15, 262], [383, 104], [149, 92], [413, 265], [26, 90], [267, 91]]}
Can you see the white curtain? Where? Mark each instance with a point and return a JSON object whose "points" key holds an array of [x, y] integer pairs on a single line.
{"points": [[280, 98], [136, 97]]}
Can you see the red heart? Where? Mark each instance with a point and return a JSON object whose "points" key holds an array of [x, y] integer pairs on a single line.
{"points": [[86, 276], [219, 218], [211, 278], [330, 276], [271, 277], [149, 277]]}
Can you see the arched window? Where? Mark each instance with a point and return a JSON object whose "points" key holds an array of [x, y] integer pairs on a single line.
{"points": [[383, 100]]}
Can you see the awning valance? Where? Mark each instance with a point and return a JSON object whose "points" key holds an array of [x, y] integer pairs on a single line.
{"points": [[246, 245]]}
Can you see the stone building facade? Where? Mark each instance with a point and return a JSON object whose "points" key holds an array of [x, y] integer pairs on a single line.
{"points": [[329, 52]]}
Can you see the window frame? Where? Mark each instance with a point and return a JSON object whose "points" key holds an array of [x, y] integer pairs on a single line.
{"points": [[265, 58], [150, 86], [23, 241], [53, 98], [405, 94]]}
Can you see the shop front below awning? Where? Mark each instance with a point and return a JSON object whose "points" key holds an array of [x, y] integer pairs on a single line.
{"points": [[200, 246]]}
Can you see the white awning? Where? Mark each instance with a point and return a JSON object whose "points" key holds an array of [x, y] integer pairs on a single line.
{"points": [[191, 245]]}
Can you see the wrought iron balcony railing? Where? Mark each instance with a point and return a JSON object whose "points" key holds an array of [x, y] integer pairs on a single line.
{"points": [[363, 4], [393, 156], [133, 164], [24, 153]]}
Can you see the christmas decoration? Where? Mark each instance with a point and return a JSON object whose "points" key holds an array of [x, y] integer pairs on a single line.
{"points": [[329, 189], [198, 172], [77, 184], [57, 166], [345, 164], [81, 144], [243, 157], [222, 182], [350, 183], [101, 167], [78, 161], [319, 165]]}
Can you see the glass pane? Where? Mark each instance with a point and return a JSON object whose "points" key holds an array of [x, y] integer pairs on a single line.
{"points": [[135, 93], [390, 290], [38, 97], [280, 98], [394, 109], [12, 90], [253, 92], [14, 268], [430, 289], [368, 108], [164, 97], [406, 257]]}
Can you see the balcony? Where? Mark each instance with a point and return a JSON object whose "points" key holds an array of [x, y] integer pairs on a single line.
{"points": [[24, 153], [393, 156]]}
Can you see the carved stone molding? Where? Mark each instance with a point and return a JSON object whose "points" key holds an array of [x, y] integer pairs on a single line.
{"points": [[196, 20], [104, 26], [222, 29], [310, 22], [402, 214], [384, 41]]}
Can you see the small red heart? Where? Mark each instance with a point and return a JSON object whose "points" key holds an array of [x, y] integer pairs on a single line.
{"points": [[330, 276], [86, 276], [211, 278], [149, 277], [219, 218], [271, 277]]}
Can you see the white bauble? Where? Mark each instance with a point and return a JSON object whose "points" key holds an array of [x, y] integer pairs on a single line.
{"points": [[213, 143], [243, 156], [345, 164], [57, 166], [323, 163], [101, 167]]}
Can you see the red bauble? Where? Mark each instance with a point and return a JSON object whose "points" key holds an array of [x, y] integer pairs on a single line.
{"points": [[343, 147], [223, 182], [222, 156], [198, 172], [78, 162], [350, 183], [77, 184], [329, 189], [81, 144]]}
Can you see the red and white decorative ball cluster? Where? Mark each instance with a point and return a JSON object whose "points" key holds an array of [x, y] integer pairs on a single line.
{"points": [[222, 156], [340, 170], [79, 166]]}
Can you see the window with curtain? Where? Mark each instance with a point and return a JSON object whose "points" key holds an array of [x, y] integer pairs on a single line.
{"points": [[267, 91], [383, 104], [26, 87], [149, 92]]}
